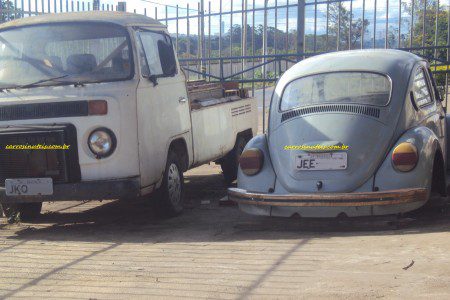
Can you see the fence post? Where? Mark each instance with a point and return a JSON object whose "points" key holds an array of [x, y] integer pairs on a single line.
{"points": [[221, 69], [301, 28], [264, 51], [202, 49], [448, 55], [279, 66]]}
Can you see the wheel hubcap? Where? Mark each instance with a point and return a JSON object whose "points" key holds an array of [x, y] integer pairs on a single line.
{"points": [[174, 184]]}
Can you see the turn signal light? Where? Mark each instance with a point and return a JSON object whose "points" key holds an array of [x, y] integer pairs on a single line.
{"points": [[251, 161], [405, 157], [98, 107]]}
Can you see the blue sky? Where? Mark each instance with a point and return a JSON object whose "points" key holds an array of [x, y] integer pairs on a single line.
{"points": [[149, 5]]}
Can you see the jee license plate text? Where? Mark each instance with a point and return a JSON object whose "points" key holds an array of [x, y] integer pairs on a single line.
{"points": [[321, 161]]}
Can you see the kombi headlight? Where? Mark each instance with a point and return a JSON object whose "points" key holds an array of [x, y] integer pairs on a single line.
{"points": [[102, 142]]}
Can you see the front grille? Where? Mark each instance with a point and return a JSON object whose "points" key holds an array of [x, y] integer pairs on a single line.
{"points": [[44, 110], [60, 165]]}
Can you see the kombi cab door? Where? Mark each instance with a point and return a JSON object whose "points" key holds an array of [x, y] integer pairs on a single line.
{"points": [[162, 106]]}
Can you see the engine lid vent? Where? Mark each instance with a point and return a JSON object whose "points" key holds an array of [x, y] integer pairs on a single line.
{"points": [[356, 109]]}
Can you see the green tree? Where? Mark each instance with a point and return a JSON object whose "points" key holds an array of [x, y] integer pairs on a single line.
{"points": [[428, 36], [9, 11], [338, 27], [339, 20], [425, 13]]}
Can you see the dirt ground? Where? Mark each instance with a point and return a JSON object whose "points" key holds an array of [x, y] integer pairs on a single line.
{"points": [[121, 249]]}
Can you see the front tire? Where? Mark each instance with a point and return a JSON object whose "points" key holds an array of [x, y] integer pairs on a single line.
{"points": [[171, 193], [22, 211]]}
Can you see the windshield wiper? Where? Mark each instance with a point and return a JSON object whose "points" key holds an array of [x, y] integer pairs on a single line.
{"points": [[76, 83], [40, 81]]}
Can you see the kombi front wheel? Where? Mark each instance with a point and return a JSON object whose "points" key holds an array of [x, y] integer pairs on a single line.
{"points": [[22, 211], [230, 163], [171, 193]]}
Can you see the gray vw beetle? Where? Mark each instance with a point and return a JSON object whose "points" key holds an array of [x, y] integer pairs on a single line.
{"points": [[352, 133]]}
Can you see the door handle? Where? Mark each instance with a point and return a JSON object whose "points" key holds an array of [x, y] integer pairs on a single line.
{"points": [[182, 99]]}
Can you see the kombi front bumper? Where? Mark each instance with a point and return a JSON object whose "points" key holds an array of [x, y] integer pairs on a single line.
{"points": [[330, 204], [87, 190]]}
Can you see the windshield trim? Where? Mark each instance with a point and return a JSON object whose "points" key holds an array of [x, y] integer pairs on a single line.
{"points": [[125, 30], [334, 72]]}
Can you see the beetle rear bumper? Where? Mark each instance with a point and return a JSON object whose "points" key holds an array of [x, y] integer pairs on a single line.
{"points": [[316, 205]]}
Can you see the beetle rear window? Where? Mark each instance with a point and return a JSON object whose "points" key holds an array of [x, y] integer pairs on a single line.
{"points": [[339, 87]]}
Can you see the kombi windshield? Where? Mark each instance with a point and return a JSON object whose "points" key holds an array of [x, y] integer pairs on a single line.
{"points": [[339, 87], [63, 53]]}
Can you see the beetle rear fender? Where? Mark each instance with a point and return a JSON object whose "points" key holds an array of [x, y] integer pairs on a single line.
{"points": [[427, 144], [264, 180]]}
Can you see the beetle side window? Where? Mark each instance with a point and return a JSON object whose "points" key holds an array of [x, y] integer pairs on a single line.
{"points": [[421, 90]]}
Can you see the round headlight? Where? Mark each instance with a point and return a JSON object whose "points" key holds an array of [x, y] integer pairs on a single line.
{"points": [[102, 142]]}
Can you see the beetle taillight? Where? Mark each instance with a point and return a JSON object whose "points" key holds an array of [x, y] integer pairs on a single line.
{"points": [[405, 157], [251, 161]]}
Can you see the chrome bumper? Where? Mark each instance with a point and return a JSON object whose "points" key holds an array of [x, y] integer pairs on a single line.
{"points": [[392, 197]]}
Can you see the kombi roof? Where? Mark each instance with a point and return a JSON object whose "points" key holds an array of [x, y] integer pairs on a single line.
{"points": [[120, 18], [394, 63]]}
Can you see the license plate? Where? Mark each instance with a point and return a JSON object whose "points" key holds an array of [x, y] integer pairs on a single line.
{"points": [[321, 161], [29, 186]]}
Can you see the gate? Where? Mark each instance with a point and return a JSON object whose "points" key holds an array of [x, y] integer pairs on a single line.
{"points": [[255, 41]]}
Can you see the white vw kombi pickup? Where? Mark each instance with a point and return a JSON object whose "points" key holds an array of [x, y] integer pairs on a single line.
{"points": [[94, 105]]}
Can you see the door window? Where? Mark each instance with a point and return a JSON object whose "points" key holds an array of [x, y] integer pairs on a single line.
{"points": [[154, 48], [421, 89]]}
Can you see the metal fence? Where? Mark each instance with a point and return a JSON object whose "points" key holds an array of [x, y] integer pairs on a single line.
{"points": [[276, 34], [255, 41]]}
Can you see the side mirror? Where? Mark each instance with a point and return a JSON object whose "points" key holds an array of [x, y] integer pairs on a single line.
{"points": [[146, 74], [167, 57], [145, 70]]}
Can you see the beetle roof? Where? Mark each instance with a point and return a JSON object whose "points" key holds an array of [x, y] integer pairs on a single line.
{"points": [[394, 63], [120, 18]]}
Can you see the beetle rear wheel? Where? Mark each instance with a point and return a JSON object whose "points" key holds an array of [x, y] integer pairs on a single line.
{"points": [[438, 194]]}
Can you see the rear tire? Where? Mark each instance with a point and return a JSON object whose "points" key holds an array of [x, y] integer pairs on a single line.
{"points": [[171, 193], [437, 199], [22, 211], [230, 162]]}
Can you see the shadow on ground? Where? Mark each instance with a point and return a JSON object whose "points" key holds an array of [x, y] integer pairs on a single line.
{"points": [[204, 220]]}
